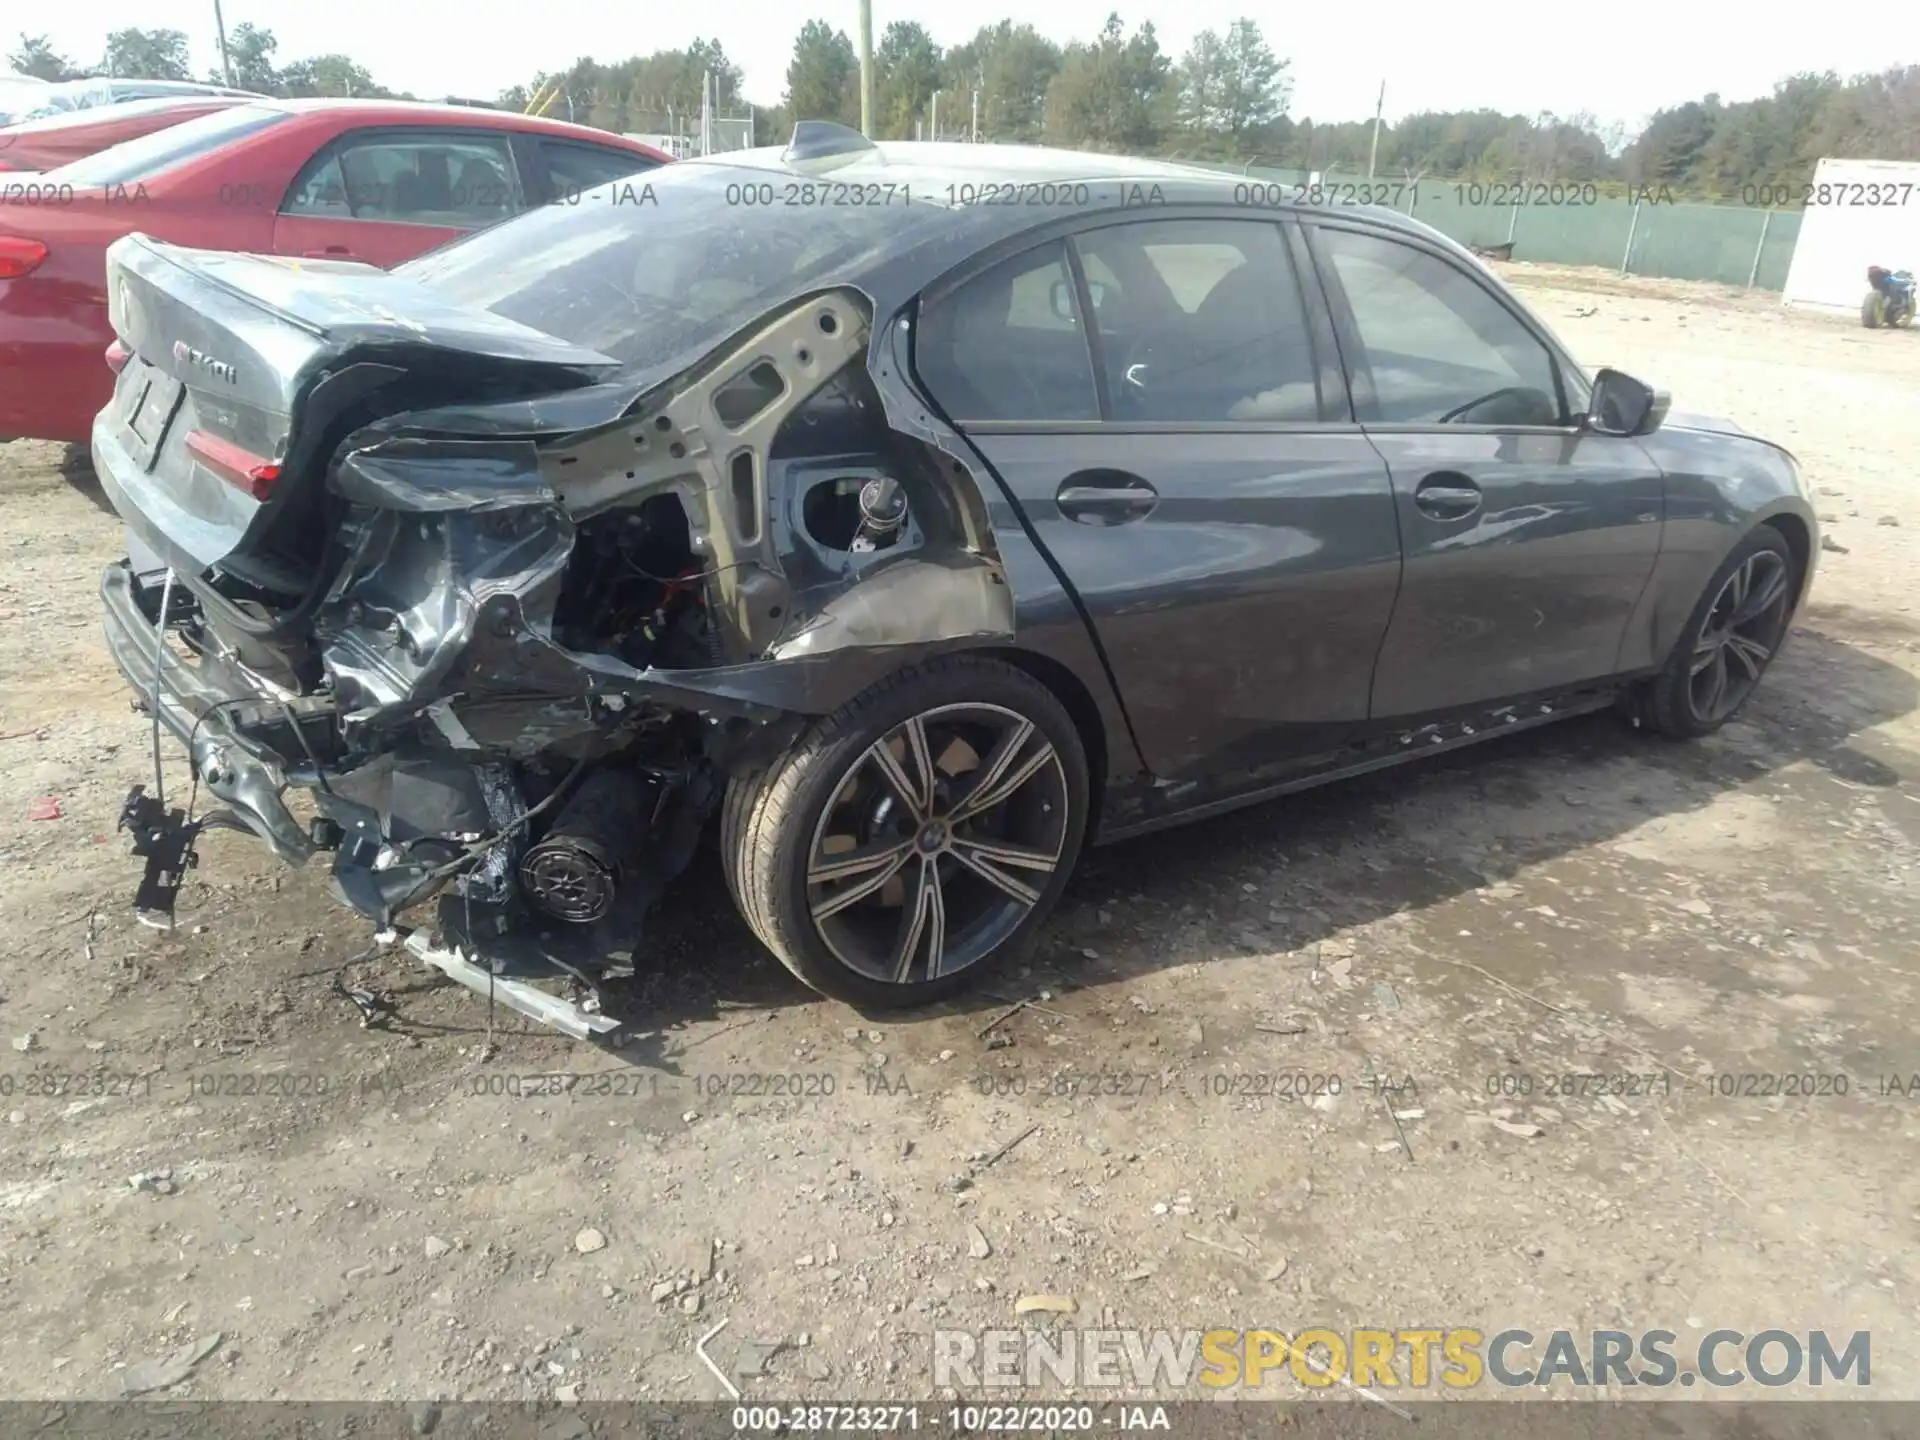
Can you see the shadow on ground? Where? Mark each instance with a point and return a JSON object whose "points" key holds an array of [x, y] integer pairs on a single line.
{"points": [[1816, 707], [76, 468]]}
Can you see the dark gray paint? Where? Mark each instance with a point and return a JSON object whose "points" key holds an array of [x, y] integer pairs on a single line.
{"points": [[1532, 589], [1241, 614]]}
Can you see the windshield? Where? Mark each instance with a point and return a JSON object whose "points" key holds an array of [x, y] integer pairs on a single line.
{"points": [[652, 266], [153, 155]]}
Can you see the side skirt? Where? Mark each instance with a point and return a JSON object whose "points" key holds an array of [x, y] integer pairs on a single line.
{"points": [[1367, 756]]}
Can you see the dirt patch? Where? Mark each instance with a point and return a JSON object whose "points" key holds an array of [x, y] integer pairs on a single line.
{"points": [[200, 1138]]}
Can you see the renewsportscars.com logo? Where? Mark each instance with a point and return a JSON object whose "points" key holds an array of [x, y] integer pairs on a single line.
{"points": [[1459, 1359]]}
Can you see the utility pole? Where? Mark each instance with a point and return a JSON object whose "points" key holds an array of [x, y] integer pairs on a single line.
{"points": [[866, 68], [1373, 150], [933, 123], [976, 117], [220, 24]]}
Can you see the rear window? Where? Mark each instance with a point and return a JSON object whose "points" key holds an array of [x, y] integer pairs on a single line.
{"points": [[666, 261], [153, 155]]}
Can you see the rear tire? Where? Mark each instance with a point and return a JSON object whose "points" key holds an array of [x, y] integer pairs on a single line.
{"points": [[1873, 311], [915, 839], [1729, 640]]}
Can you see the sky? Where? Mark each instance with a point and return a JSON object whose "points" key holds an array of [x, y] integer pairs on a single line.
{"points": [[1568, 56]]}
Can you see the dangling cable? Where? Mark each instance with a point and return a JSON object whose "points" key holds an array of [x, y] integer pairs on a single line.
{"points": [[153, 700]]}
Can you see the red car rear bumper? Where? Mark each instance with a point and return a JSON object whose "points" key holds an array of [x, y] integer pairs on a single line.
{"points": [[56, 373]]}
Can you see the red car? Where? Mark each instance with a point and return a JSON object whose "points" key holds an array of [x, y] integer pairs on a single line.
{"points": [[374, 181], [56, 140]]}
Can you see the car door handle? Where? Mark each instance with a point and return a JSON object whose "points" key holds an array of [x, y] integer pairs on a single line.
{"points": [[332, 252], [1447, 496], [1106, 499]]}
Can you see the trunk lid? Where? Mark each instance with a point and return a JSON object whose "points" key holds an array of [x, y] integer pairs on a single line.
{"points": [[240, 371]]}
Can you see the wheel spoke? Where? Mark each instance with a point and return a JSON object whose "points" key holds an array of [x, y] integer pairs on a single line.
{"points": [[1762, 597], [1716, 684], [1005, 772], [849, 863], [916, 789], [994, 768], [1751, 654], [922, 919], [870, 867], [1737, 585], [1703, 654], [988, 859]]}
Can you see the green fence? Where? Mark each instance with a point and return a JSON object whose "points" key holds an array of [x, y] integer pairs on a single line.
{"points": [[1574, 225]]}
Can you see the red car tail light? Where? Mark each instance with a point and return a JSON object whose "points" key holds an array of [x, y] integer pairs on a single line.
{"points": [[19, 256], [241, 469], [117, 357]]}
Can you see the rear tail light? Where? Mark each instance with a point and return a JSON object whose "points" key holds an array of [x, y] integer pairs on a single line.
{"points": [[242, 469], [19, 256], [117, 357]]}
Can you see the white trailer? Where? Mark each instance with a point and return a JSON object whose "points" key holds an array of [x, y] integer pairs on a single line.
{"points": [[1860, 213]]}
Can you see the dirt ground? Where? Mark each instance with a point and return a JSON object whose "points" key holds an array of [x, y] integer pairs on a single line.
{"points": [[357, 1214]]}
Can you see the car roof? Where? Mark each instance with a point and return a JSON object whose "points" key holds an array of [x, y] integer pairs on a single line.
{"points": [[109, 114], [928, 168], [146, 89], [937, 164], [418, 111]]}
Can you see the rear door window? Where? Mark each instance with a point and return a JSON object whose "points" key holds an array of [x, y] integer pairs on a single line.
{"points": [[575, 167], [1009, 345], [1201, 321], [451, 181]]}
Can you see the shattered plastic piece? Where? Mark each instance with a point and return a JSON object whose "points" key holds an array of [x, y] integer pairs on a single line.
{"points": [[1511, 1127], [1049, 1304], [44, 807]]}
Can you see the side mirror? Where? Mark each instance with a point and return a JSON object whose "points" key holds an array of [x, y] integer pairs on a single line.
{"points": [[1061, 297], [1622, 405]]}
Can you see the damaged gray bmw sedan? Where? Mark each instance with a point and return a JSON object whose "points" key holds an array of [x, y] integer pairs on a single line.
{"points": [[910, 515]]}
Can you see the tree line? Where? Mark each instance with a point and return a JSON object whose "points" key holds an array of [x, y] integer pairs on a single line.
{"points": [[1226, 98], [137, 54]]}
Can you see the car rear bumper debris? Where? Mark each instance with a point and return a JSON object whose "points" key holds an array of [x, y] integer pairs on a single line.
{"points": [[401, 829], [199, 707]]}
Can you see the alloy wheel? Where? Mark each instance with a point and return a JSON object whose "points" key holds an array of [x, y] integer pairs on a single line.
{"points": [[938, 840], [1743, 628]]}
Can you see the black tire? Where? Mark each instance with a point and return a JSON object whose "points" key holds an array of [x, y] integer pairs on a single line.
{"points": [[776, 832], [1679, 699]]}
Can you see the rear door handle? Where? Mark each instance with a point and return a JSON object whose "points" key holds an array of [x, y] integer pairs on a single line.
{"points": [[1105, 498], [1447, 495]]}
